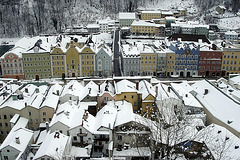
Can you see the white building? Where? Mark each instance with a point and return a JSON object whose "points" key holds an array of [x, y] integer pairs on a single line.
{"points": [[231, 35]]}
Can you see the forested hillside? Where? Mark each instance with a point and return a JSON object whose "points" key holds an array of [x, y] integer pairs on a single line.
{"points": [[31, 17]]}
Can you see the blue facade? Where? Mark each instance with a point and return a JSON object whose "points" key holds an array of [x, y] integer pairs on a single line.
{"points": [[186, 58], [103, 63]]}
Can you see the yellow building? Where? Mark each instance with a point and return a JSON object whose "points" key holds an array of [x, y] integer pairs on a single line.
{"points": [[87, 59], [148, 98], [58, 61], [72, 61], [149, 15], [231, 61], [148, 62], [170, 63], [142, 27], [126, 90]]}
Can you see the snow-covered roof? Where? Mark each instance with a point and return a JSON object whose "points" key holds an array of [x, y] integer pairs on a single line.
{"points": [[215, 102], [220, 141], [146, 88], [130, 51], [53, 146], [93, 26], [41, 137], [164, 92], [105, 118], [102, 45], [30, 97], [151, 12], [79, 152], [142, 23], [231, 33], [73, 87], [127, 15], [90, 89], [125, 86], [133, 152], [21, 133], [125, 114], [107, 87], [18, 50], [64, 114], [183, 90]]}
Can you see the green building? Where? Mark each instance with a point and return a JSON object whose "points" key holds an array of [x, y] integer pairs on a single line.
{"points": [[36, 61]]}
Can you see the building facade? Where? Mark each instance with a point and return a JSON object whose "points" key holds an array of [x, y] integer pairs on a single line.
{"points": [[103, 61], [230, 61], [210, 62], [11, 64], [186, 58]]}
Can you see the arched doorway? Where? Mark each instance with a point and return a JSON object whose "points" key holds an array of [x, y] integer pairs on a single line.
{"points": [[73, 75], [37, 77], [188, 74], [181, 74], [63, 76], [207, 73]]}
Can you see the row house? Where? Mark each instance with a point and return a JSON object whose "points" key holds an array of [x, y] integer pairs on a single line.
{"points": [[141, 27], [37, 104], [11, 63], [148, 62], [103, 60], [149, 15], [36, 61], [130, 60], [188, 28], [210, 61], [186, 58], [230, 61]]}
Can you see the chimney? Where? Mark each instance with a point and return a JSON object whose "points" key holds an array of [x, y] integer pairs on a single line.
{"points": [[169, 89], [156, 90], [58, 92], [26, 90], [17, 140], [205, 91], [137, 84], [47, 126], [186, 95]]}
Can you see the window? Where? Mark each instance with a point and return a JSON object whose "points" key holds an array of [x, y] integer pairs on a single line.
{"points": [[29, 113], [44, 119], [5, 116], [119, 138], [0, 124], [5, 157], [6, 124], [125, 96], [74, 138], [132, 96], [44, 113]]}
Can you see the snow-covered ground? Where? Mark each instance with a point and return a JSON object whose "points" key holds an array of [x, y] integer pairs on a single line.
{"points": [[8, 41], [229, 23], [173, 4]]}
